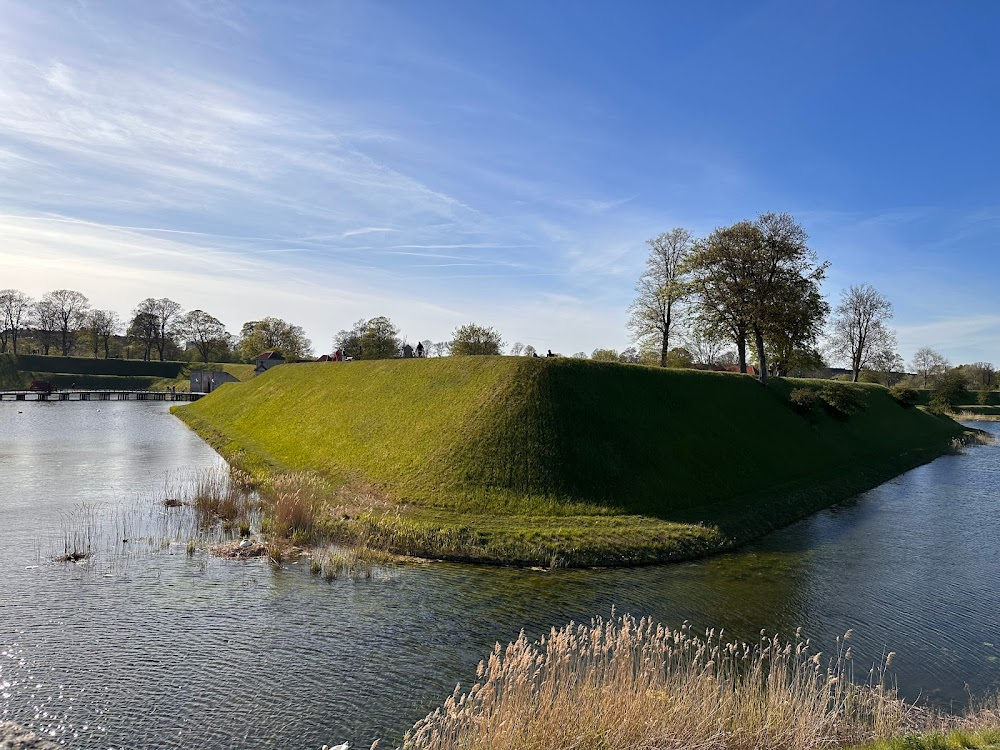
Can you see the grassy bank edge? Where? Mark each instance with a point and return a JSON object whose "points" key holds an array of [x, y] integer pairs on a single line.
{"points": [[581, 541]]}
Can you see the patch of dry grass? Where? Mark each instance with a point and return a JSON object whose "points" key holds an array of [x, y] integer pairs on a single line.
{"points": [[622, 684]]}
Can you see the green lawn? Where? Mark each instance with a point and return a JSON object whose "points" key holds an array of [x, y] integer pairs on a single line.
{"points": [[515, 458]]}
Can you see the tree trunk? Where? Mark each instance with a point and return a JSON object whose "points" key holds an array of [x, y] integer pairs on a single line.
{"points": [[758, 336], [65, 342], [741, 350]]}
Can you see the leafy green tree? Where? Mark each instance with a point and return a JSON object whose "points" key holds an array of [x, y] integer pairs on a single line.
{"points": [[273, 334], [679, 357], [605, 355], [949, 391], [759, 279], [349, 340], [206, 332], [653, 316], [629, 355], [472, 339], [380, 339]]}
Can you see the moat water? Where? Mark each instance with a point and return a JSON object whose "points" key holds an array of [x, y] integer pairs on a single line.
{"points": [[153, 648]]}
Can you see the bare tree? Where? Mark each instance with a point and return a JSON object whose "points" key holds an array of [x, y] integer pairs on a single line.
{"points": [[886, 361], [46, 323], [928, 364], [661, 289], [705, 346], [982, 375], [441, 348], [70, 308], [516, 348], [102, 325], [167, 312], [859, 327], [15, 309]]}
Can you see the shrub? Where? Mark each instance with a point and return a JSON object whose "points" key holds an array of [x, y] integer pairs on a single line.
{"points": [[803, 399], [841, 399], [949, 391], [904, 394], [983, 397]]}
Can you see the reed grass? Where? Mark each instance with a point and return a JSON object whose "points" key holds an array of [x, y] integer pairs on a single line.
{"points": [[624, 684], [355, 563]]}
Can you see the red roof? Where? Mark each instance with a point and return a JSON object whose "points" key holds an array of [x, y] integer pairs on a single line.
{"points": [[751, 370], [269, 355]]}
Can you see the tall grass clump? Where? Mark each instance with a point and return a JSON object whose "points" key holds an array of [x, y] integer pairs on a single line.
{"points": [[355, 563], [622, 683], [294, 503], [222, 495]]}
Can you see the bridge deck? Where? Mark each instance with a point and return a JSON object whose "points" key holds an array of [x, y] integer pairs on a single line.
{"points": [[103, 395]]}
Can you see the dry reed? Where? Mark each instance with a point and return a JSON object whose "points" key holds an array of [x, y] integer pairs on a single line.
{"points": [[622, 684]]}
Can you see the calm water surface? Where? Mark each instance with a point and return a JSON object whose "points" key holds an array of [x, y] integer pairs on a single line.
{"points": [[158, 649]]}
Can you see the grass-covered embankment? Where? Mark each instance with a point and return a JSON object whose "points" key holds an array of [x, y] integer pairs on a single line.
{"points": [[106, 374], [522, 460]]}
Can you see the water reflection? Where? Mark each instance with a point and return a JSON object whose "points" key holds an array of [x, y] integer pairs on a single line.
{"points": [[185, 652]]}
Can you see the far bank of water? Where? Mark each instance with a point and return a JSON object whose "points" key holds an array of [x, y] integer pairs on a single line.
{"points": [[175, 651]]}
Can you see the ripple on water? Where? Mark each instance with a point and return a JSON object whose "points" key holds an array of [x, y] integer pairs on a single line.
{"points": [[172, 651]]}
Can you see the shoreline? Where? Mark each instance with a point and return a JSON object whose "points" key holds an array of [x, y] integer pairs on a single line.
{"points": [[459, 537]]}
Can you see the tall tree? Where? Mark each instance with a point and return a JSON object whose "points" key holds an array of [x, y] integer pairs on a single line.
{"points": [[143, 328], [46, 317], [206, 332], [166, 312], [475, 339], [661, 289], [859, 326], [71, 309], [759, 279], [794, 323], [15, 309], [101, 326], [719, 268], [928, 363], [273, 334], [349, 340], [380, 339]]}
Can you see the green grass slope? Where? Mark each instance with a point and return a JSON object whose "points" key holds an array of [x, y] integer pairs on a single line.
{"points": [[106, 374], [606, 447]]}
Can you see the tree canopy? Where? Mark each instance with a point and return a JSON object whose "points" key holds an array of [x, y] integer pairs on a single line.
{"points": [[475, 339]]}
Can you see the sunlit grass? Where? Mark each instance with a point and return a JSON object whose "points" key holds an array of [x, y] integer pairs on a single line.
{"points": [[508, 459]]}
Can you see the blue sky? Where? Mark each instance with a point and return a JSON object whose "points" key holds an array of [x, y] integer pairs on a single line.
{"points": [[446, 162]]}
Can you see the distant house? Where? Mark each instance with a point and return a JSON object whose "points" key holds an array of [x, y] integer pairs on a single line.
{"points": [[206, 381], [326, 358], [267, 360]]}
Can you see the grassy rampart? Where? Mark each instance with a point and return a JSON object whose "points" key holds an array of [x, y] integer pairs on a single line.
{"points": [[125, 374], [530, 461]]}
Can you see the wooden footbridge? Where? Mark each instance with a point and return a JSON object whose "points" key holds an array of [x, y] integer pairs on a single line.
{"points": [[104, 395]]}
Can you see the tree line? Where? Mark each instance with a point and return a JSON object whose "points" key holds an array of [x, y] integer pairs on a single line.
{"points": [[64, 321], [752, 291]]}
